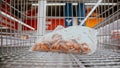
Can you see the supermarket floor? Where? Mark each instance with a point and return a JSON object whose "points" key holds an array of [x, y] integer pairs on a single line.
{"points": [[26, 59]]}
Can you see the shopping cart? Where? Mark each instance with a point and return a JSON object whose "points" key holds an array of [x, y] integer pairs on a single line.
{"points": [[23, 22]]}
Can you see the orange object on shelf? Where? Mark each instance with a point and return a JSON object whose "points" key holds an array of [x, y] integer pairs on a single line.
{"points": [[91, 22]]}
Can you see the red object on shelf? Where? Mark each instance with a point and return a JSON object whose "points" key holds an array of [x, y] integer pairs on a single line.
{"points": [[54, 23]]}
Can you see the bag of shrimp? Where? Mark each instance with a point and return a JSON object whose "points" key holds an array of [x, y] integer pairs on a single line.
{"points": [[73, 39]]}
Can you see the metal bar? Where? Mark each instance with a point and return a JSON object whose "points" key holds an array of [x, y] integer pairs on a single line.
{"points": [[61, 4], [41, 24], [97, 4], [16, 20], [108, 18], [78, 62]]}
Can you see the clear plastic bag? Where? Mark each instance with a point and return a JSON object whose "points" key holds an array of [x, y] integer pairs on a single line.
{"points": [[73, 39]]}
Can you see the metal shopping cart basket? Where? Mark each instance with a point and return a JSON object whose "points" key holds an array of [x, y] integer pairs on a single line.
{"points": [[23, 22]]}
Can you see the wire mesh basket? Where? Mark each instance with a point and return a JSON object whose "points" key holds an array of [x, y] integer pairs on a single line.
{"points": [[23, 22]]}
